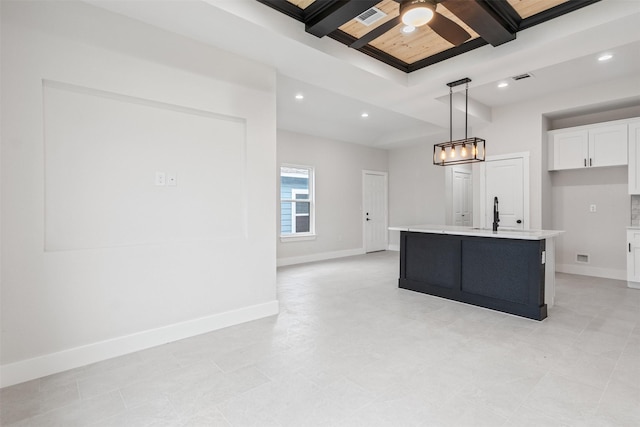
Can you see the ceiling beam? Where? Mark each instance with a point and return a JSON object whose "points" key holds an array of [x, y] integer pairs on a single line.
{"points": [[554, 12], [331, 14], [447, 54], [371, 51], [483, 19], [375, 33], [285, 7], [505, 12]]}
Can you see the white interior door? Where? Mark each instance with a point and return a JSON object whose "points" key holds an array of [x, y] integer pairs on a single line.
{"points": [[505, 180], [375, 211], [462, 198]]}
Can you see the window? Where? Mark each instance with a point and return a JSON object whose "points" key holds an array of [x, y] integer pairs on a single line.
{"points": [[296, 202]]}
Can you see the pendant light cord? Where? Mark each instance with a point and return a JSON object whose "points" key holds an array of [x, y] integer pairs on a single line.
{"points": [[466, 105], [450, 113]]}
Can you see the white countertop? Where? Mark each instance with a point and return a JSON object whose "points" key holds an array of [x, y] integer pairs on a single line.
{"points": [[470, 231]]}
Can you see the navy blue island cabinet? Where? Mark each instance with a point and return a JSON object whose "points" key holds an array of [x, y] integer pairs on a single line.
{"points": [[502, 271]]}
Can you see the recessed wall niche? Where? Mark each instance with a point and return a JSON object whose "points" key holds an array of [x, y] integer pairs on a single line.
{"points": [[102, 153]]}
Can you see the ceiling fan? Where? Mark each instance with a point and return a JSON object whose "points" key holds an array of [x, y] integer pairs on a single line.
{"points": [[416, 13]]}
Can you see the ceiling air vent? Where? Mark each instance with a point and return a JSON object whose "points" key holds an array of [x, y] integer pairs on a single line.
{"points": [[370, 16], [522, 76]]}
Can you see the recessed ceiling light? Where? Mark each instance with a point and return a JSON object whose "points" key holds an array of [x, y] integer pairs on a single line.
{"points": [[503, 84], [408, 29], [364, 115], [299, 96], [605, 57]]}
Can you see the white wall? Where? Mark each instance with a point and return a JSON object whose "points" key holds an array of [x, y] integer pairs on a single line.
{"points": [[573, 118], [97, 261], [338, 185], [602, 234], [417, 193]]}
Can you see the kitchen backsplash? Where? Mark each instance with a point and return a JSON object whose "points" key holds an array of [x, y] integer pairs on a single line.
{"points": [[635, 210]]}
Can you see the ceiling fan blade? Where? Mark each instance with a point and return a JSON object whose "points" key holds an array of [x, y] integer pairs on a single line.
{"points": [[448, 30]]}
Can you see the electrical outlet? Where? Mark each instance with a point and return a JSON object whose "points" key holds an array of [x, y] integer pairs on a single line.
{"points": [[161, 179], [592, 208]]}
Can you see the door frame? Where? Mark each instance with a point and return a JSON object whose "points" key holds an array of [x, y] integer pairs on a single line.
{"points": [[366, 172], [526, 191]]}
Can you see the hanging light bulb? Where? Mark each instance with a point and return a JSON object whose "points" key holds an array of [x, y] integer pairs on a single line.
{"points": [[443, 154], [463, 152], [453, 151]]}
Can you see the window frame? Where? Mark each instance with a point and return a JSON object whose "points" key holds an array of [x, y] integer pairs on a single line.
{"points": [[311, 234], [294, 209]]}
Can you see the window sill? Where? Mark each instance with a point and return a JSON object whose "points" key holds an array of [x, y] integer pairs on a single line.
{"points": [[297, 237]]}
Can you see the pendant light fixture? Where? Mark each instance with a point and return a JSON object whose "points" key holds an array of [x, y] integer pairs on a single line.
{"points": [[467, 150]]}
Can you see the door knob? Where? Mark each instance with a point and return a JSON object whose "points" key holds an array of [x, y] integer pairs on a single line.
{"points": [[519, 221], [368, 219]]}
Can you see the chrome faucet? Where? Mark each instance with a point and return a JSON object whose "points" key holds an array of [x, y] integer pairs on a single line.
{"points": [[496, 214]]}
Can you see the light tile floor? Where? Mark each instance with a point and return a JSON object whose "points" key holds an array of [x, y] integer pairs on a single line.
{"points": [[351, 349]]}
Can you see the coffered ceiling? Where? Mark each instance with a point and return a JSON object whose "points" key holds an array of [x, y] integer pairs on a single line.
{"points": [[405, 107], [487, 22]]}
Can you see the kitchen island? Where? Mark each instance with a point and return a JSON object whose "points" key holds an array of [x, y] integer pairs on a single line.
{"points": [[509, 270]]}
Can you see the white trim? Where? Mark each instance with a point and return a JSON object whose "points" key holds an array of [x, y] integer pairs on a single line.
{"points": [[26, 370], [297, 237], [525, 156], [585, 270], [294, 207], [281, 262], [393, 247], [633, 285], [366, 172], [312, 200], [550, 272]]}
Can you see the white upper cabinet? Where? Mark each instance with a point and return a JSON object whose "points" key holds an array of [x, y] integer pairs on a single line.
{"points": [[570, 150], [608, 145], [588, 146], [634, 158]]}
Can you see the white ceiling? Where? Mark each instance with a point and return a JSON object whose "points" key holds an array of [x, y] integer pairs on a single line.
{"points": [[339, 83]]}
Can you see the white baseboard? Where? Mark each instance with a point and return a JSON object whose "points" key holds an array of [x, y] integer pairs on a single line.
{"points": [[281, 262], [394, 248], [37, 367], [585, 270]]}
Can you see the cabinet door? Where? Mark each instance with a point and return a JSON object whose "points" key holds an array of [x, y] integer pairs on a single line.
{"points": [[634, 158], [570, 149], [633, 255], [608, 146]]}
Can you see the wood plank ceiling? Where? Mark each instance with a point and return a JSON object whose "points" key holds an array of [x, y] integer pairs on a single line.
{"points": [[487, 21]]}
